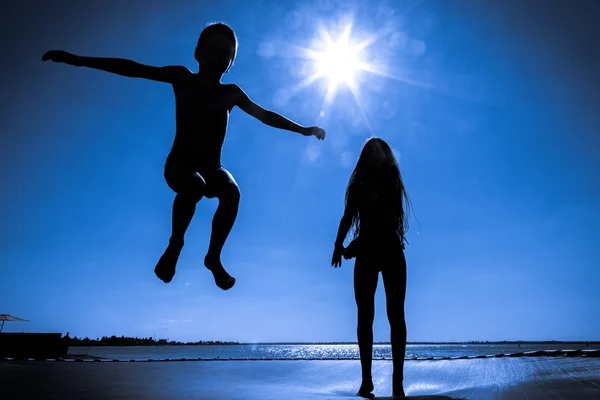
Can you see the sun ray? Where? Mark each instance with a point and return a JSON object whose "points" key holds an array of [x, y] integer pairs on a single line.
{"points": [[301, 85], [326, 37], [329, 95], [346, 35], [365, 43], [372, 68], [355, 90]]}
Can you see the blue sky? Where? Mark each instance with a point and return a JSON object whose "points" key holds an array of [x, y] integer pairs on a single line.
{"points": [[498, 147]]}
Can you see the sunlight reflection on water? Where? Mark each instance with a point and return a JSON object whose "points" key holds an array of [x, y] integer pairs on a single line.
{"points": [[304, 351]]}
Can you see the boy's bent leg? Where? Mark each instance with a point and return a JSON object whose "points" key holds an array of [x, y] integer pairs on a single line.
{"points": [[189, 186], [224, 187]]}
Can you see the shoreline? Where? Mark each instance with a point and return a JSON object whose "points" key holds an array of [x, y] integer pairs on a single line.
{"points": [[470, 343], [577, 353], [534, 378]]}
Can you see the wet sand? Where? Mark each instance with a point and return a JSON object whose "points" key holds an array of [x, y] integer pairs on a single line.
{"points": [[493, 378]]}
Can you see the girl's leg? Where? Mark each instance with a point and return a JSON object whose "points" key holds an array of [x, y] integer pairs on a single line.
{"points": [[394, 281], [223, 186], [365, 285], [189, 186]]}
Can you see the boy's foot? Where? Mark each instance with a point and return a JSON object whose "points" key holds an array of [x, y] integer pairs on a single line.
{"points": [[165, 268], [222, 278], [366, 389]]}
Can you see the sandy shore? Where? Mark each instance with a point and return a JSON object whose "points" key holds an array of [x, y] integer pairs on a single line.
{"points": [[494, 378]]}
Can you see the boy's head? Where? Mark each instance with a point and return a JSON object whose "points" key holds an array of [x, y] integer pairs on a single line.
{"points": [[216, 48]]}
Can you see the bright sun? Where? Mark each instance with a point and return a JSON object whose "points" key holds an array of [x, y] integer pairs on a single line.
{"points": [[339, 62]]}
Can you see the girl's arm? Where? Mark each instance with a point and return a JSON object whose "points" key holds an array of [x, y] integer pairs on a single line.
{"points": [[338, 248], [345, 224]]}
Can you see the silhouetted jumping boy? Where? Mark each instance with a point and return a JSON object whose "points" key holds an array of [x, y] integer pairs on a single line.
{"points": [[374, 206], [193, 168]]}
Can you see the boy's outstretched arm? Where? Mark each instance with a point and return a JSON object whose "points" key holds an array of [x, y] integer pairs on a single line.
{"points": [[118, 66], [271, 118]]}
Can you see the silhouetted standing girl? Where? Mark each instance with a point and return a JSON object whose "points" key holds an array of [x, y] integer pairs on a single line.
{"points": [[377, 208]]}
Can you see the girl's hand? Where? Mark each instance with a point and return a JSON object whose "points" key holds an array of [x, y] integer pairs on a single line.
{"points": [[351, 251], [336, 260]]}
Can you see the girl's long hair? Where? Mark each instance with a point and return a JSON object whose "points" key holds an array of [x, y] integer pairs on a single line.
{"points": [[383, 176]]}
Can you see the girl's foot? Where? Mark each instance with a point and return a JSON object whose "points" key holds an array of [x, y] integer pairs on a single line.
{"points": [[222, 278], [397, 389], [366, 389], [165, 268]]}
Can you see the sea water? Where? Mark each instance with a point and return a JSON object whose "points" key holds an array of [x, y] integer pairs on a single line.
{"points": [[307, 351]]}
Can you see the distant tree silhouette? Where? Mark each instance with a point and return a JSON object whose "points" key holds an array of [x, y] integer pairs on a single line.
{"points": [[135, 341]]}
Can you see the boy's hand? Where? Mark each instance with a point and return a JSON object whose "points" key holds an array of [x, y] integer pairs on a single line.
{"points": [[60, 56], [315, 131]]}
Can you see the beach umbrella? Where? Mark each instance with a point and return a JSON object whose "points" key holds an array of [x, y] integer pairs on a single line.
{"points": [[7, 317]]}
